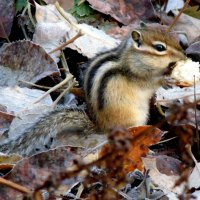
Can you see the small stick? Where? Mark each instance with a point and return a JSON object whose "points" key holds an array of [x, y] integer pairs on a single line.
{"points": [[64, 63], [35, 85], [97, 147], [30, 14], [76, 91], [68, 78], [195, 113], [63, 93], [15, 186], [79, 34], [177, 17], [167, 140]]}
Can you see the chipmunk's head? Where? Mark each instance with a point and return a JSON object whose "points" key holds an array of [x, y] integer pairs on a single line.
{"points": [[156, 49]]}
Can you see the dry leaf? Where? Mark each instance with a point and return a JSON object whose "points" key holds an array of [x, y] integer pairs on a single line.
{"points": [[188, 25], [92, 42], [24, 60], [165, 182], [34, 171], [167, 96], [50, 35], [126, 12], [141, 138], [20, 102], [7, 12], [145, 136]]}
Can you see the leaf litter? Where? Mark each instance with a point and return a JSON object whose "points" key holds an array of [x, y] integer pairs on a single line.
{"points": [[85, 169]]}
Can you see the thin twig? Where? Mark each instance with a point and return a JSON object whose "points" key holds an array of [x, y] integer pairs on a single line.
{"points": [[167, 140], [30, 14], [14, 186], [63, 93], [76, 91], [195, 112], [177, 17], [35, 85], [97, 147], [22, 26], [68, 78], [79, 34], [64, 62]]}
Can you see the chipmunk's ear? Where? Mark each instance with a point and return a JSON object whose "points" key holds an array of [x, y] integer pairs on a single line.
{"points": [[137, 38]]}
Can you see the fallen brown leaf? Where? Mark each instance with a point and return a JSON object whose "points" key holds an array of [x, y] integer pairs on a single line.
{"points": [[26, 61], [126, 12]]}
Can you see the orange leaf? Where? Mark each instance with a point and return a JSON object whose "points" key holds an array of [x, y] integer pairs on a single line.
{"points": [[144, 136], [139, 139]]}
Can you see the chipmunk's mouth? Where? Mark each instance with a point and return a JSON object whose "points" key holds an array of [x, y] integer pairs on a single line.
{"points": [[169, 69]]}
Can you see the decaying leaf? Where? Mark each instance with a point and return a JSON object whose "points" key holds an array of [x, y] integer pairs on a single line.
{"points": [[26, 61], [50, 35], [125, 12], [94, 39], [167, 96], [167, 177], [144, 136], [20, 102], [7, 12], [189, 25], [34, 171]]}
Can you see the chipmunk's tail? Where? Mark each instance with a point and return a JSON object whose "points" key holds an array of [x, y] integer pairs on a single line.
{"points": [[40, 136]]}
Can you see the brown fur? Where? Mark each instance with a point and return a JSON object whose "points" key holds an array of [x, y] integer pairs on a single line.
{"points": [[126, 100]]}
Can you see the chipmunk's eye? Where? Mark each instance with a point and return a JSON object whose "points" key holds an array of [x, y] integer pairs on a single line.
{"points": [[159, 47]]}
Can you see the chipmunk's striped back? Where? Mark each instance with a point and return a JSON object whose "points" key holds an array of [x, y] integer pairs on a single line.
{"points": [[119, 83]]}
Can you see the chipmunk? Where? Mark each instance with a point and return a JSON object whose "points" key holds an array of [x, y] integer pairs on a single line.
{"points": [[119, 83], [118, 86]]}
